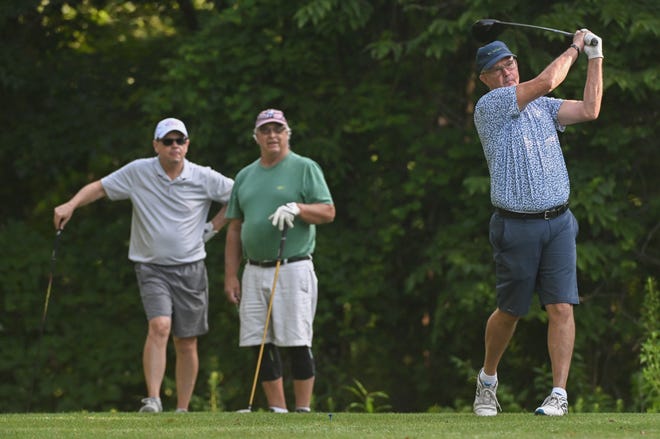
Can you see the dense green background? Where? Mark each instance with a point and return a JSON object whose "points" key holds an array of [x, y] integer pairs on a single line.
{"points": [[380, 93]]}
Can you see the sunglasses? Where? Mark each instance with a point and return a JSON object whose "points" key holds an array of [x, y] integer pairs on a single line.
{"points": [[267, 129], [169, 142]]}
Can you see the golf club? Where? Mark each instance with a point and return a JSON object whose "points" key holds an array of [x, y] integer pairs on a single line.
{"points": [[45, 312], [270, 308], [487, 30]]}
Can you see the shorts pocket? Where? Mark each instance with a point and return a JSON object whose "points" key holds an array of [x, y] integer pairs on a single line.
{"points": [[496, 231]]}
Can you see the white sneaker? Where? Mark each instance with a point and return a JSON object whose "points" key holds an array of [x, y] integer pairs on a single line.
{"points": [[485, 401], [151, 405], [554, 405]]}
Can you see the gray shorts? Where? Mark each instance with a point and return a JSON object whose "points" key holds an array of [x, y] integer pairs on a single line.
{"points": [[534, 255], [179, 292], [294, 305]]}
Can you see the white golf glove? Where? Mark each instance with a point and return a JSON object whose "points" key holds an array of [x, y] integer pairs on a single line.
{"points": [[593, 51], [208, 231], [284, 214]]}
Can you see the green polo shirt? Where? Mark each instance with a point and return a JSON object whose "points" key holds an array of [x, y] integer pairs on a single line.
{"points": [[258, 191]]}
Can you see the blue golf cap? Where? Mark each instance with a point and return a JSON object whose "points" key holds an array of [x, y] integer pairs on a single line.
{"points": [[490, 54]]}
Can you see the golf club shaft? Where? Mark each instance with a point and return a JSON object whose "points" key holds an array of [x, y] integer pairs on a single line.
{"points": [[53, 258], [593, 42], [531, 26], [270, 308]]}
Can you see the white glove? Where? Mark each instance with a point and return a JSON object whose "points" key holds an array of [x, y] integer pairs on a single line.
{"points": [[595, 51], [285, 214], [208, 231]]}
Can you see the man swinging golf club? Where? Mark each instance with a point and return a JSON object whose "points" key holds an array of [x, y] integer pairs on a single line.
{"points": [[280, 189], [532, 231]]}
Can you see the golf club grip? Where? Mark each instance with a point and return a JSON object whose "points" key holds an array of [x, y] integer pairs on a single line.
{"points": [[56, 244], [593, 42], [280, 252]]}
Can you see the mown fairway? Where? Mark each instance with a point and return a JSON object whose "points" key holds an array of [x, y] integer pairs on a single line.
{"points": [[322, 425]]}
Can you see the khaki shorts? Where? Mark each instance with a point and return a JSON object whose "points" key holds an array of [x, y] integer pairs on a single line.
{"points": [[294, 304], [179, 292]]}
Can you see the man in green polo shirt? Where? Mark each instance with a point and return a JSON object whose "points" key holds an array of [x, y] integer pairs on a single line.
{"points": [[280, 188]]}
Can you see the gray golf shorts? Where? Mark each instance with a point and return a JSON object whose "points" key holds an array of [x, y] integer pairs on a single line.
{"points": [[179, 292], [534, 255], [294, 304]]}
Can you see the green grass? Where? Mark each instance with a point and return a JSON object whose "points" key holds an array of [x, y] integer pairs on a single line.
{"points": [[321, 425]]}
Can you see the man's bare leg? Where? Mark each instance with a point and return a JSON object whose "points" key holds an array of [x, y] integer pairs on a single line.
{"points": [[302, 390], [274, 391], [561, 339], [187, 367], [154, 354], [499, 330]]}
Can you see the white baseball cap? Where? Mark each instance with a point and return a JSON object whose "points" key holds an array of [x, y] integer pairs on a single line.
{"points": [[167, 125]]}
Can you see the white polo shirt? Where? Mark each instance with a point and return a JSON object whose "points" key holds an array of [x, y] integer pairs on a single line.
{"points": [[168, 215]]}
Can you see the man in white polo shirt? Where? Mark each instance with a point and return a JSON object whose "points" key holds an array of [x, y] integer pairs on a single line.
{"points": [[171, 199]]}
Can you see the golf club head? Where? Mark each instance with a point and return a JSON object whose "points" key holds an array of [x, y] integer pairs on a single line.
{"points": [[244, 411], [486, 30]]}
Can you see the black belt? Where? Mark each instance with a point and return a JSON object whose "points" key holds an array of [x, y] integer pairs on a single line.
{"points": [[546, 215], [266, 264]]}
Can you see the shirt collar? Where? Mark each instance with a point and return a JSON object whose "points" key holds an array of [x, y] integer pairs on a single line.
{"points": [[185, 173]]}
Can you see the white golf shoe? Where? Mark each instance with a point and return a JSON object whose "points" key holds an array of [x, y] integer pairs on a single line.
{"points": [[485, 400], [553, 405], [151, 405]]}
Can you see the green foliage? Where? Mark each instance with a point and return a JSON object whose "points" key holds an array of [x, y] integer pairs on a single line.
{"points": [[597, 402], [649, 356], [332, 15], [215, 401], [367, 402], [380, 93]]}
